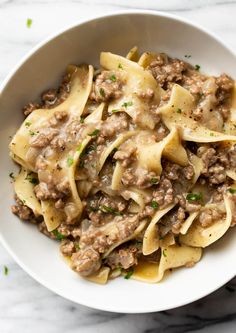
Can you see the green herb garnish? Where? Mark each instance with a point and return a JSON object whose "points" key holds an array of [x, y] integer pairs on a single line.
{"points": [[70, 161], [5, 270], [109, 210], [129, 274], [30, 177], [232, 190], [113, 78], [94, 133], [58, 235], [102, 92], [192, 197], [81, 120], [11, 175], [29, 22], [126, 104], [164, 253], [211, 134], [115, 110], [154, 180], [179, 110], [27, 124], [197, 67], [154, 204], [31, 133], [120, 66]]}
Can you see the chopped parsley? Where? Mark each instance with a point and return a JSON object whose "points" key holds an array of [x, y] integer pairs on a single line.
{"points": [[58, 235], [5, 270], [109, 210], [102, 92], [154, 204], [126, 104], [81, 120], [77, 246], [11, 175], [29, 22], [30, 177], [129, 274], [27, 124], [31, 133], [197, 67], [179, 110], [113, 78], [154, 180], [70, 161], [232, 190], [120, 66], [164, 253], [115, 110], [211, 134], [192, 197], [94, 133], [187, 56]]}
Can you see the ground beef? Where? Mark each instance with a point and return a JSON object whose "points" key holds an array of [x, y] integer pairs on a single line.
{"points": [[30, 108], [67, 247], [216, 161], [58, 118], [114, 124], [141, 178], [208, 216], [124, 257], [175, 172], [177, 220], [166, 70], [164, 194], [86, 261], [46, 191], [24, 212], [225, 87], [126, 157], [108, 85], [43, 139]]}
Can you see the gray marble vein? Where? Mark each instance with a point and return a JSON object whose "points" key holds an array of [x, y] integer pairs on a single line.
{"points": [[27, 307]]}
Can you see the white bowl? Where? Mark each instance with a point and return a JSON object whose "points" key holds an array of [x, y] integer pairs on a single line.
{"points": [[41, 69]]}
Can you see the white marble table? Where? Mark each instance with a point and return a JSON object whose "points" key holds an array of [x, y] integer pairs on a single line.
{"points": [[27, 307]]}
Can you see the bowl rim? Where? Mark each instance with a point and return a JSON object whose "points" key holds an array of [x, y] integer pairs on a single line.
{"points": [[4, 85]]}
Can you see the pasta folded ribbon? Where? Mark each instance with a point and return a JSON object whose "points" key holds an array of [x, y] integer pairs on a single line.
{"points": [[177, 113], [81, 83], [151, 240], [112, 227], [138, 81], [171, 257], [99, 277], [24, 188], [149, 155], [201, 237]]}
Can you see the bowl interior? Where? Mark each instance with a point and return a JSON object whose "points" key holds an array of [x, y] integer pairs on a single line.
{"points": [[40, 256]]}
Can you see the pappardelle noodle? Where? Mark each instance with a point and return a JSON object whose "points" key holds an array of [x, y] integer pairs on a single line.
{"points": [[130, 166]]}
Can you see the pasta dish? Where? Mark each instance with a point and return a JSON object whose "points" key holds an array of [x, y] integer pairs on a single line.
{"points": [[130, 166]]}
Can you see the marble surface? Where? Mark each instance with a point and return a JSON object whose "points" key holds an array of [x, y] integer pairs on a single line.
{"points": [[27, 307]]}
